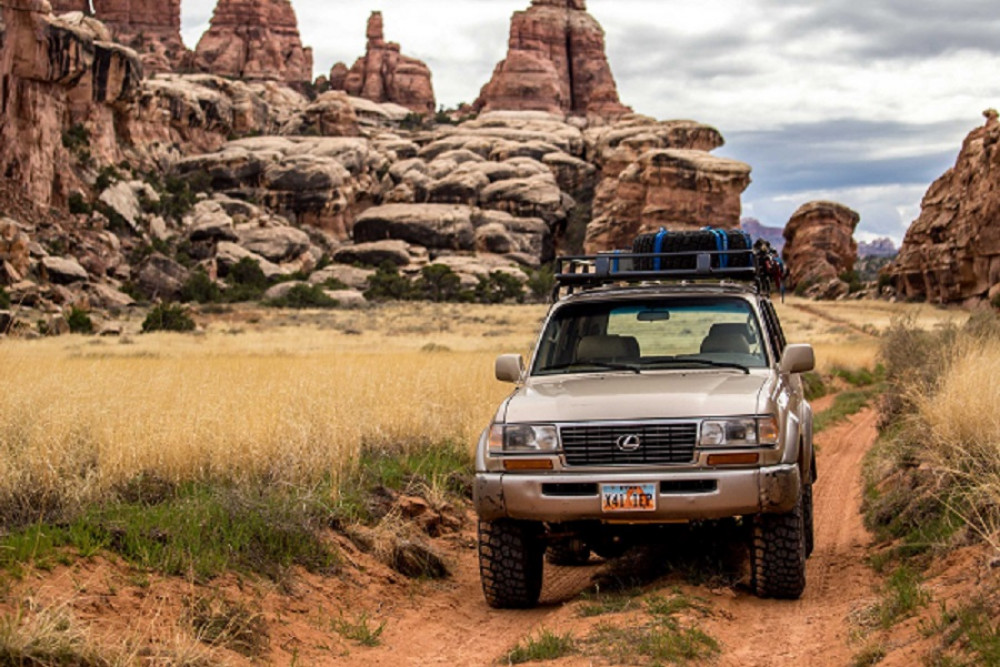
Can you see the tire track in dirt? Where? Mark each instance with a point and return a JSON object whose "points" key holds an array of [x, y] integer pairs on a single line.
{"points": [[450, 623], [814, 630]]}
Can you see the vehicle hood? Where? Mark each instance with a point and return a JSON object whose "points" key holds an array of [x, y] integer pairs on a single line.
{"points": [[631, 397]]}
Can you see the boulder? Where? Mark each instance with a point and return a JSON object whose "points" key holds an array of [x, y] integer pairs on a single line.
{"points": [[354, 277], [14, 250], [105, 297], [209, 221], [435, 226], [679, 190], [276, 244], [63, 270], [161, 277], [820, 248], [347, 298], [229, 254], [329, 115]]}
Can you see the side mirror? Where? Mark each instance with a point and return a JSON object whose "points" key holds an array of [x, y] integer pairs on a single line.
{"points": [[798, 359], [510, 368]]}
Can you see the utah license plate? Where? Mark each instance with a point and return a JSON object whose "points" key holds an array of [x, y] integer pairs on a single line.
{"points": [[628, 497]]}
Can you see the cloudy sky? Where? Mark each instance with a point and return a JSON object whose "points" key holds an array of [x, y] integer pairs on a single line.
{"points": [[865, 103]]}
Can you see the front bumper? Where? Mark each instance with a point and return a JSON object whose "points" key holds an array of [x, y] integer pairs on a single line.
{"points": [[694, 495]]}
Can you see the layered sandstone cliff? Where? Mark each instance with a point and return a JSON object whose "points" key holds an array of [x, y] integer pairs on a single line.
{"points": [[383, 74], [661, 174], [951, 253], [820, 248], [151, 27], [556, 62], [255, 40], [64, 88]]}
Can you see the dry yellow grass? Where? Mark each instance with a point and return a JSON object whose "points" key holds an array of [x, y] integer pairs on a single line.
{"points": [[291, 404], [962, 434], [288, 397]]}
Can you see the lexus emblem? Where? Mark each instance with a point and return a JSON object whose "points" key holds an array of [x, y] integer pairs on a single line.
{"points": [[629, 443]]}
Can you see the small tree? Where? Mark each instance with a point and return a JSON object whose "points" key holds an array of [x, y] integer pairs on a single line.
{"points": [[439, 283], [80, 322], [388, 285]]}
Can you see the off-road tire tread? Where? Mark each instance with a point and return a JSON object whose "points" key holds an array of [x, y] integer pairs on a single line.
{"points": [[510, 563], [568, 553], [778, 554], [807, 517]]}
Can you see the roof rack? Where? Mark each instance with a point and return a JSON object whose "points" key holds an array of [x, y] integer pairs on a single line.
{"points": [[591, 271]]}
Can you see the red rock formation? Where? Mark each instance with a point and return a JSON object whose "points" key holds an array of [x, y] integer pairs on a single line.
{"points": [[257, 40], [384, 75], [556, 62], [677, 189], [151, 27], [951, 253], [820, 247], [57, 75]]}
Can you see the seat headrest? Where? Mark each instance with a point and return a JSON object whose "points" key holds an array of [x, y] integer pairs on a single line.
{"points": [[732, 329], [607, 348], [730, 343]]}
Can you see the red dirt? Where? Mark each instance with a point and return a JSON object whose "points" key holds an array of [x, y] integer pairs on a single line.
{"points": [[448, 623]]}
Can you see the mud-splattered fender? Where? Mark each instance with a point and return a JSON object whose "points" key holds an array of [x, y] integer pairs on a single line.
{"points": [[487, 496]]}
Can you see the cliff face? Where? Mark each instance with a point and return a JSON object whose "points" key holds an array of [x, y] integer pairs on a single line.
{"points": [[951, 253], [151, 27], [255, 40], [661, 174], [383, 74], [820, 247], [556, 62], [63, 86]]}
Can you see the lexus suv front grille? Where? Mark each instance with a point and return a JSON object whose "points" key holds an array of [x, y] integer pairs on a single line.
{"points": [[629, 444]]}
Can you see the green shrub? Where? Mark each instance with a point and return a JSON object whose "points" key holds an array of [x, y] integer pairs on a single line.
{"points": [[304, 296], [541, 283], [4, 299], [78, 205], [438, 283], [247, 281], [168, 317], [199, 288], [76, 138], [80, 322], [499, 287], [388, 285], [106, 177], [547, 646]]}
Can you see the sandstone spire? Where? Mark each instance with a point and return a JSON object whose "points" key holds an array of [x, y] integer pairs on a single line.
{"points": [[255, 39], [383, 74], [556, 62]]}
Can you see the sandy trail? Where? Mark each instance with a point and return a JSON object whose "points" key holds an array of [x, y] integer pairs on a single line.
{"points": [[450, 624]]}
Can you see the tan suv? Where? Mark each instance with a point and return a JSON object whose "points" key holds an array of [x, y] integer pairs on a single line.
{"points": [[651, 397]]}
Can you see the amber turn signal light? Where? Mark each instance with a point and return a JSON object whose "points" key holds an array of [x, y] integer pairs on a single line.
{"points": [[528, 464], [744, 459]]}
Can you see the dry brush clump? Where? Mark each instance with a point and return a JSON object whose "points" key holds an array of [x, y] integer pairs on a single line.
{"points": [[936, 468]]}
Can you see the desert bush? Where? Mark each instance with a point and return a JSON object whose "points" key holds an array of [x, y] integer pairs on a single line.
{"points": [[386, 284], [499, 287], [199, 288], [247, 281], [438, 283], [78, 205], [80, 322], [304, 296], [168, 317]]}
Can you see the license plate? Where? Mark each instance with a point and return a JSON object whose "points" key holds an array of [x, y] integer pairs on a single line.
{"points": [[628, 497]]}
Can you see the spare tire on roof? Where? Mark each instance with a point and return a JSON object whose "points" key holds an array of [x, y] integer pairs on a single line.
{"points": [[703, 240]]}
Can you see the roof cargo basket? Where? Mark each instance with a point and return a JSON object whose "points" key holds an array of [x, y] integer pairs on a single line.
{"points": [[669, 257]]}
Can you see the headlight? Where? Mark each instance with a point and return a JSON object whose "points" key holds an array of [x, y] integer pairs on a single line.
{"points": [[523, 438], [743, 432]]}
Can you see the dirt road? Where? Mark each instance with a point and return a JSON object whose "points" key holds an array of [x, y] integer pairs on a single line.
{"points": [[451, 625]]}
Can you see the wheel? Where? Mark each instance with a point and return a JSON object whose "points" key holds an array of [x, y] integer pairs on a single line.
{"points": [[510, 563], [568, 553], [807, 517], [778, 554]]}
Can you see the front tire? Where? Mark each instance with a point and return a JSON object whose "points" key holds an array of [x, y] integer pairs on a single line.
{"points": [[778, 554], [510, 563], [807, 517]]}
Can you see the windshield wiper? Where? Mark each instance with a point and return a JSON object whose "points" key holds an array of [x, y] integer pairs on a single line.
{"points": [[706, 362], [600, 364]]}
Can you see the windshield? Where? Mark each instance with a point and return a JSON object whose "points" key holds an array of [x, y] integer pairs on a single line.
{"points": [[658, 334]]}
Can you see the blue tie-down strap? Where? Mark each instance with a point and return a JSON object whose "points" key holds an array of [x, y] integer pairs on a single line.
{"points": [[721, 244], [614, 263], [661, 237]]}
